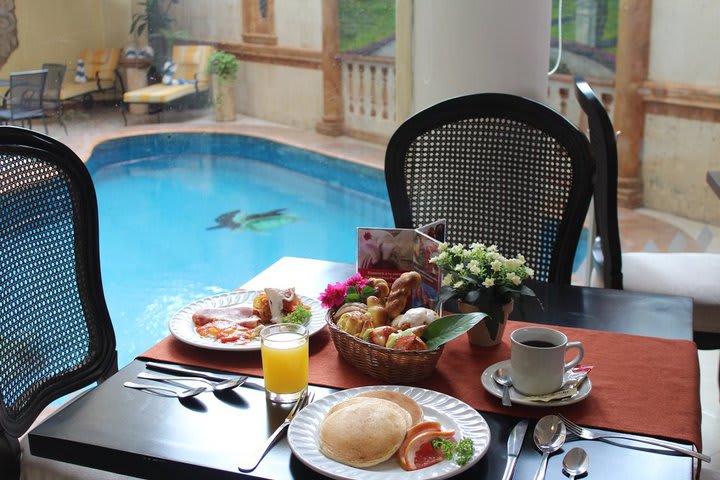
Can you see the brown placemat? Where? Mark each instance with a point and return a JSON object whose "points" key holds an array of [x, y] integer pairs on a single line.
{"points": [[643, 385]]}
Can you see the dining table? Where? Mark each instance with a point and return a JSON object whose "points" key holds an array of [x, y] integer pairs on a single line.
{"points": [[645, 381]]}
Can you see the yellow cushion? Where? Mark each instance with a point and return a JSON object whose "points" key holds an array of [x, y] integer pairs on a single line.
{"points": [[160, 93], [191, 60], [101, 62], [72, 89]]}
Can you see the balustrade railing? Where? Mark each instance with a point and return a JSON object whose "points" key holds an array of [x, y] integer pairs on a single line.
{"points": [[369, 96]]}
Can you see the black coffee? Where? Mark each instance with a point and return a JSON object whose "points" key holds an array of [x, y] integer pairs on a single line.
{"points": [[538, 344]]}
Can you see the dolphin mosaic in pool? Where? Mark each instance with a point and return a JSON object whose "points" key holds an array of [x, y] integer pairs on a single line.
{"points": [[256, 222]]}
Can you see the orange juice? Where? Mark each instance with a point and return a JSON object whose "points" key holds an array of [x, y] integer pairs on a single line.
{"points": [[284, 350]]}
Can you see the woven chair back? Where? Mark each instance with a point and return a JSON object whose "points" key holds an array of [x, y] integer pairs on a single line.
{"points": [[501, 169], [55, 331]]}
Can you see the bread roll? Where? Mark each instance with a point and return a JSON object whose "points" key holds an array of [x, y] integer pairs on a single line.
{"points": [[400, 291], [364, 432]]}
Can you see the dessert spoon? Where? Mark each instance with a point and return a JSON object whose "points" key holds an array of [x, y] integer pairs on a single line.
{"points": [[190, 392], [549, 436], [576, 462]]}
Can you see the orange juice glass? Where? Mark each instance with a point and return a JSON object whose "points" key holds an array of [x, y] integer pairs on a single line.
{"points": [[284, 350]]}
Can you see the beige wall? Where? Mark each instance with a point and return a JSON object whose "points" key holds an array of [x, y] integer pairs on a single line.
{"points": [[278, 93], [55, 31], [678, 152]]}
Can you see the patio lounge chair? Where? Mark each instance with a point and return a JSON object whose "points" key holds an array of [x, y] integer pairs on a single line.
{"points": [[101, 70], [24, 100], [190, 62]]}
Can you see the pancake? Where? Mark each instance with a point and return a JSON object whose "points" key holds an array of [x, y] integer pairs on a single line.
{"points": [[364, 432], [407, 403], [358, 399]]}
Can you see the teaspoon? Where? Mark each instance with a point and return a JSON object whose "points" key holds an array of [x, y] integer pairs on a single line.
{"points": [[502, 377], [549, 436], [576, 462]]}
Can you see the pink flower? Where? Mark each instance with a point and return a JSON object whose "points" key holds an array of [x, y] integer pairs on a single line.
{"points": [[334, 295], [356, 280]]}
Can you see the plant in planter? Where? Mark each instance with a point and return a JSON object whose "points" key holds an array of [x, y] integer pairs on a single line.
{"points": [[481, 279], [223, 66], [157, 22]]}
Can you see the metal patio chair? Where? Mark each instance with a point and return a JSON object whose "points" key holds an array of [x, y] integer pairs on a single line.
{"points": [[501, 169], [55, 331], [53, 87], [24, 99]]}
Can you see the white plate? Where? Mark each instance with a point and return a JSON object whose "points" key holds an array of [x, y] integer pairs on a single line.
{"points": [[520, 399], [450, 412], [182, 327]]}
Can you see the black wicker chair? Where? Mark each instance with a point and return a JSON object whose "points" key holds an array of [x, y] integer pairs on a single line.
{"points": [[55, 332], [607, 251], [500, 169]]}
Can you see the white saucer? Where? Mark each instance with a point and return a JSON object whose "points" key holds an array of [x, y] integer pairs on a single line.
{"points": [[520, 399]]}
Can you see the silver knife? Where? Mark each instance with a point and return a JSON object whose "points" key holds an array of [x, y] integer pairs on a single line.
{"points": [[514, 444], [249, 462]]}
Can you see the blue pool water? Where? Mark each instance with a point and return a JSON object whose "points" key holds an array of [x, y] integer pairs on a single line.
{"points": [[158, 194]]}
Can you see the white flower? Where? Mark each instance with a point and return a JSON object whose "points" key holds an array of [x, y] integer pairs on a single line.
{"points": [[513, 278], [492, 248], [529, 272], [458, 284], [447, 279], [442, 247], [474, 267], [489, 282], [457, 248], [459, 267], [513, 263], [494, 255], [521, 258], [496, 265]]}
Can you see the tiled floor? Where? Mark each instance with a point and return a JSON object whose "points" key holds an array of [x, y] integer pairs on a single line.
{"points": [[641, 230]]}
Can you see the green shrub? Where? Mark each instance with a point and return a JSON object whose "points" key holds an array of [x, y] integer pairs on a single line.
{"points": [[223, 64]]}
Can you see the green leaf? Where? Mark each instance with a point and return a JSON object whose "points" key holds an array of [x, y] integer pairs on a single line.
{"points": [[447, 328]]}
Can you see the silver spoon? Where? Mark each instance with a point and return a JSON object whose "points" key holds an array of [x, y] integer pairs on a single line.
{"points": [[576, 462], [549, 436], [502, 377], [214, 386], [190, 392]]}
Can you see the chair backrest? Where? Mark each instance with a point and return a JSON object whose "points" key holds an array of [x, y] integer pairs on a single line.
{"points": [[604, 151], [501, 169], [191, 62], [100, 63], [26, 92], [55, 330], [54, 81]]}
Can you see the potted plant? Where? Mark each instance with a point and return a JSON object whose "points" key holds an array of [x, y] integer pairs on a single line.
{"points": [[157, 22], [223, 66], [481, 279]]}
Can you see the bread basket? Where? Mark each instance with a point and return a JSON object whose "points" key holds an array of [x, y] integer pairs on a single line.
{"points": [[386, 364]]}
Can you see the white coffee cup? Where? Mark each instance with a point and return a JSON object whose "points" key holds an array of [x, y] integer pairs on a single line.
{"points": [[537, 359]]}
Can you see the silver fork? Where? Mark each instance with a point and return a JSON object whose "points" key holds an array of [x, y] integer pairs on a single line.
{"points": [[248, 464], [588, 434]]}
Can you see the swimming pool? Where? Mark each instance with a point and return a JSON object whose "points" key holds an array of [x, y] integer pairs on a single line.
{"points": [[160, 195]]}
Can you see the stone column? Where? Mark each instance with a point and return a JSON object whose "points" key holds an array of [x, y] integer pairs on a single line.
{"points": [[631, 70], [332, 121]]}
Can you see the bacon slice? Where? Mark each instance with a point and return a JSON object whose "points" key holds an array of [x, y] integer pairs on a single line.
{"points": [[241, 315]]}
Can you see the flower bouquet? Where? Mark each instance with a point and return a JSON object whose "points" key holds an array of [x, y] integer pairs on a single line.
{"points": [[481, 277]]}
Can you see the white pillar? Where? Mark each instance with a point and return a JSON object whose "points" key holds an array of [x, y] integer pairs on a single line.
{"points": [[474, 46]]}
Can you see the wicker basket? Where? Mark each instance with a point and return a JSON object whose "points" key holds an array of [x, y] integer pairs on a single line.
{"points": [[391, 366]]}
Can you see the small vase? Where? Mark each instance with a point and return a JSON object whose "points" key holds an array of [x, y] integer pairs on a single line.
{"points": [[479, 334]]}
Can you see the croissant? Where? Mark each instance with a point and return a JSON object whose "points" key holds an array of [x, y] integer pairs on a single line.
{"points": [[400, 291]]}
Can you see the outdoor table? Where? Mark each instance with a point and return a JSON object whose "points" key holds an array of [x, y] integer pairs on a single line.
{"points": [[121, 430]]}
